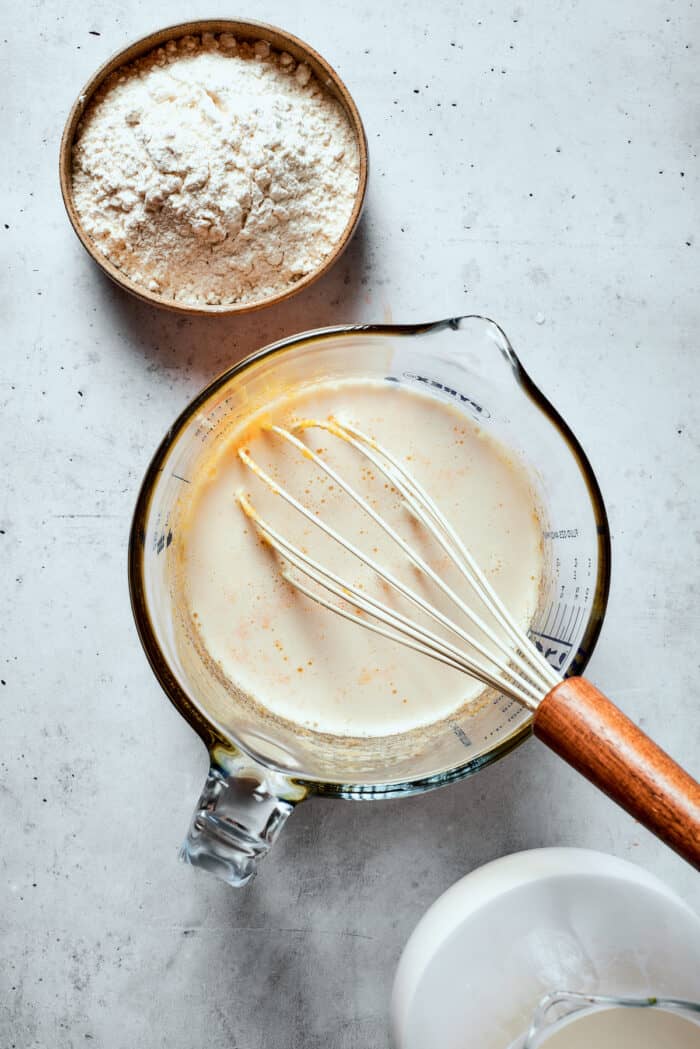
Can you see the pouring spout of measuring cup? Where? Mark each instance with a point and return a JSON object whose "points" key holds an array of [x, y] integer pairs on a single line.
{"points": [[238, 817]]}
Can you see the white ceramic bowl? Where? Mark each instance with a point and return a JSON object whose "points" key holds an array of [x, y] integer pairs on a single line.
{"points": [[488, 949]]}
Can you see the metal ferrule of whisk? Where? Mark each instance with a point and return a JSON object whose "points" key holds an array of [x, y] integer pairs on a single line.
{"points": [[507, 661]]}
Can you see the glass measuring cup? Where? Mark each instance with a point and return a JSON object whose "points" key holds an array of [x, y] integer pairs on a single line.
{"points": [[560, 1011], [260, 766]]}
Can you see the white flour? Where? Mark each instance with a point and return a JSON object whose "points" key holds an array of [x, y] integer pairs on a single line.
{"points": [[211, 172]]}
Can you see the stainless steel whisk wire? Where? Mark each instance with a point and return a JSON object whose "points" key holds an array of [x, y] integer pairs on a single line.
{"points": [[514, 665]]}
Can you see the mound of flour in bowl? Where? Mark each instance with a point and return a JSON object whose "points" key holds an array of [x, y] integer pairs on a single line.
{"points": [[212, 172]]}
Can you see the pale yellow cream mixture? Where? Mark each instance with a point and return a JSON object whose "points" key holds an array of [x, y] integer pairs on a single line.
{"points": [[298, 660]]}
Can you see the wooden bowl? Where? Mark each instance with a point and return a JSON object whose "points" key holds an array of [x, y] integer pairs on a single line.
{"points": [[279, 40]]}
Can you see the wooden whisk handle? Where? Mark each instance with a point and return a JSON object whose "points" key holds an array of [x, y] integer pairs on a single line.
{"points": [[590, 733]]}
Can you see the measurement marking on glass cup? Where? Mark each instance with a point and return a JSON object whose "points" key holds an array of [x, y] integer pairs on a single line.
{"points": [[549, 637], [435, 384], [550, 629], [163, 541], [579, 610], [460, 734], [553, 627], [571, 618]]}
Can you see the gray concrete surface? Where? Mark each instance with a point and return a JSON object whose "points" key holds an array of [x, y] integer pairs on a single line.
{"points": [[527, 158]]}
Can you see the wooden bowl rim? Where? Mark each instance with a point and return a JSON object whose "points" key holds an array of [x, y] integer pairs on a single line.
{"points": [[248, 31]]}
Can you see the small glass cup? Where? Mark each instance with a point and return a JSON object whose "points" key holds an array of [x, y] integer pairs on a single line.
{"points": [[559, 1009], [260, 767]]}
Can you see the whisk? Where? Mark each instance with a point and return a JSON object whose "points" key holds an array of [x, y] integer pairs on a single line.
{"points": [[570, 715]]}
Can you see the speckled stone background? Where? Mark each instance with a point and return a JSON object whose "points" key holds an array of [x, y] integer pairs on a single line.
{"points": [[536, 161]]}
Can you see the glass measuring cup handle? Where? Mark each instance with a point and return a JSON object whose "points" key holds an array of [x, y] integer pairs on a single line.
{"points": [[558, 1006], [239, 815]]}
